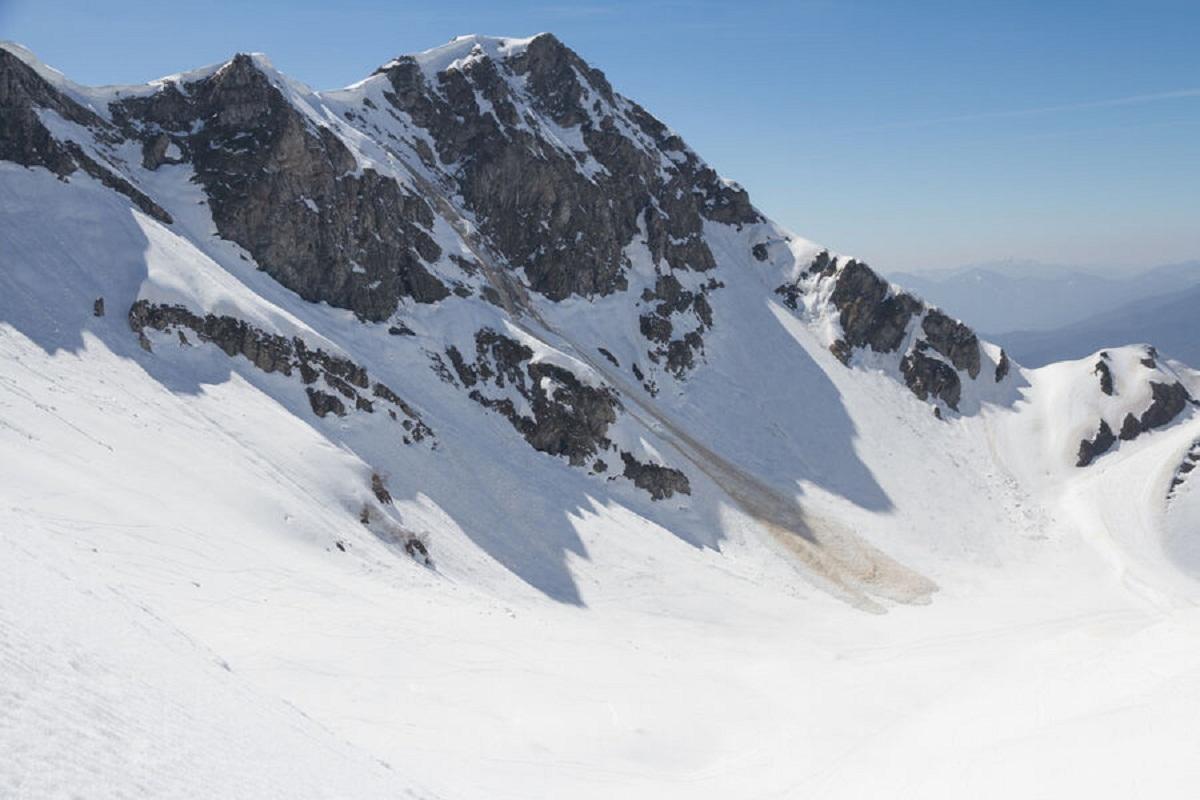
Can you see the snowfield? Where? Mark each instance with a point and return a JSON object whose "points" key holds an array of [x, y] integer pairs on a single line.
{"points": [[858, 598]]}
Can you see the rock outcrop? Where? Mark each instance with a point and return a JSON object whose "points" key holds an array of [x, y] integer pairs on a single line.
{"points": [[660, 482], [1099, 444], [562, 203], [273, 353], [555, 411], [290, 192], [927, 376], [1106, 378], [878, 317], [564, 417], [1168, 401], [1185, 470], [670, 308], [25, 139]]}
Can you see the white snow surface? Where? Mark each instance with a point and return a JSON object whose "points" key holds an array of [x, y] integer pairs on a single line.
{"points": [[189, 605]]}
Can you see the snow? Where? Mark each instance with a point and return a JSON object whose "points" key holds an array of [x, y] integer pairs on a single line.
{"points": [[188, 601], [460, 50]]}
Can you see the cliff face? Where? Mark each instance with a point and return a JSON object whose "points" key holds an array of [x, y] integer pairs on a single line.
{"points": [[559, 170], [289, 191]]}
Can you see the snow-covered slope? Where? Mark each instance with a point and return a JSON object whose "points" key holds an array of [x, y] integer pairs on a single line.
{"points": [[462, 433]]}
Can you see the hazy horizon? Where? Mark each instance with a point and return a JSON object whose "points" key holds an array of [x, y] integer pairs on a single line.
{"points": [[916, 139], [1033, 264]]}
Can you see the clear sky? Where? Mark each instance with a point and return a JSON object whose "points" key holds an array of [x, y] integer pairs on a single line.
{"points": [[913, 134]]}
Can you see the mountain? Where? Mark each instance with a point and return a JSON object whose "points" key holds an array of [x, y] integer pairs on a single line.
{"points": [[462, 433], [1171, 321], [1009, 296]]}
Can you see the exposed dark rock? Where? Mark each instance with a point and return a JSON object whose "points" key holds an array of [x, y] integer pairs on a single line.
{"points": [[611, 358], [1185, 468], [400, 329], [873, 314], [661, 482], [155, 149], [417, 550], [98, 307], [1169, 401], [416, 428], [324, 404], [23, 138], [1106, 378], [759, 251], [379, 489], [929, 377], [681, 353], [822, 264], [655, 328], [572, 419], [273, 353], [841, 350], [438, 365], [492, 296], [703, 310], [870, 314], [565, 217], [952, 339], [1002, 367], [290, 193], [568, 418], [673, 301], [790, 292], [1149, 361], [26, 141], [1089, 449]]}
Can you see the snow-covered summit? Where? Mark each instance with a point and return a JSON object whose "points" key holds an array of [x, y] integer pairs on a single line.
{"points": [[461, 49]]}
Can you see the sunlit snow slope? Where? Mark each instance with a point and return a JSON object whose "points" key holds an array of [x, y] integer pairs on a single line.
{"points": [[461, 434]]}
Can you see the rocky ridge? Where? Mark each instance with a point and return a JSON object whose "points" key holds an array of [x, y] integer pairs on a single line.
{"points": [[936, 351], [274, 353]]}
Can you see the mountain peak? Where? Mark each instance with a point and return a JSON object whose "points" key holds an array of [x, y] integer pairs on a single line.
{"points": [[465, 48]]}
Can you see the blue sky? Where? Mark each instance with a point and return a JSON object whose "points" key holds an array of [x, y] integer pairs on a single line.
{"points": [[922, 134]]}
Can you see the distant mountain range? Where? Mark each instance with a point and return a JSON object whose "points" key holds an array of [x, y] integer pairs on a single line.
{"points": [[1007, 296], [1170, 321]]}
